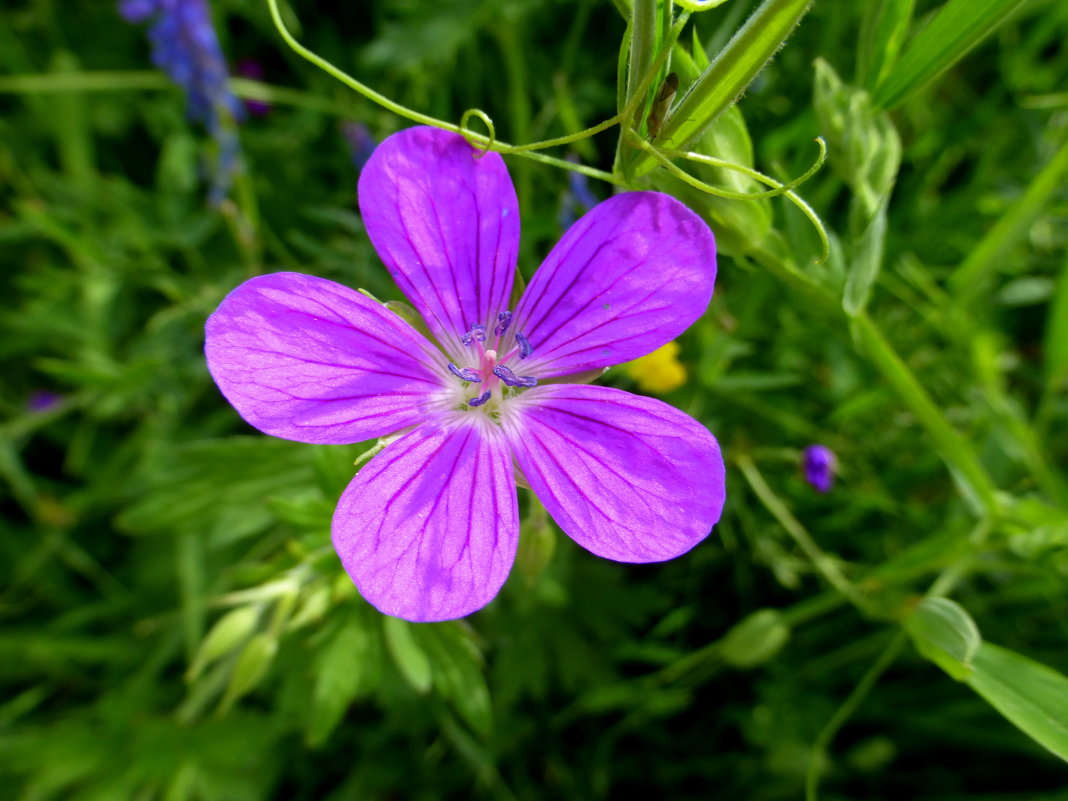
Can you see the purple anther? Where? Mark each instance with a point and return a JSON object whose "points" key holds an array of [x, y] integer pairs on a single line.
{"points": [[476, 334], [513, 380], [481, 399], [466, 373], [524, 345], [504, 319]]}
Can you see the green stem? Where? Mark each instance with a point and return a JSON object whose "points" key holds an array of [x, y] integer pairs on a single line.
{"points": [[846, 710], [642, 46], [953, 448], [823, 563]]}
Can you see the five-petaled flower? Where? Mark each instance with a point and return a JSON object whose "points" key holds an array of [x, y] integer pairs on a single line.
{"points": [[428, 528]]}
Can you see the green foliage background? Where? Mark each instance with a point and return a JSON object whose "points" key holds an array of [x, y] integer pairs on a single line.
{"points": [[173, 622]]}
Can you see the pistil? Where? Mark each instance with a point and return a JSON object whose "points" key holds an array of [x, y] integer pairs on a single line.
{"points": [[491, 370]]}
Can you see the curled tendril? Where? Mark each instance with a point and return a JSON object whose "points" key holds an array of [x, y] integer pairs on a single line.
{"points": [[410, 114], [478, 141], [779, 188]]}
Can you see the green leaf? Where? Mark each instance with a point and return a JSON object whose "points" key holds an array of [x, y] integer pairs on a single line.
{"points": [[959, 26], [1031, 695], [346, 667], [458, 675], [945, 634], [250, 668], [755, 640], [410, 658], [726, 78], [1056, 339], [229, 631], [217, 485]]}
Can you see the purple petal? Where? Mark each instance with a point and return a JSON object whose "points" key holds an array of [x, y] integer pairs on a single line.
{"points": [[306, 359], [428, 529], [628, 478], [446, 224], [628, 277]]}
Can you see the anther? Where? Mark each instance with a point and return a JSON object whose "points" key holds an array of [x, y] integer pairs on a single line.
{"points": [[476, 334], [524, 345], [504, 319], [513, 380], [465, 374], [481, 399]]}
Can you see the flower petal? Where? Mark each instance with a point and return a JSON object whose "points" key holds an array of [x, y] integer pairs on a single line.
{"points": [[428, 529], [632, 274], [446, 223], [304, 358], [628, 478]]}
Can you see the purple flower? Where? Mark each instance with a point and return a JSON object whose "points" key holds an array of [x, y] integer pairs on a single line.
{"points": [[819, 464], [185, 46], [428, 528]]}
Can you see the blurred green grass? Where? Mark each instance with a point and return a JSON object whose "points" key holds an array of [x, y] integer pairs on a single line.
{"points": [[138, 509]]}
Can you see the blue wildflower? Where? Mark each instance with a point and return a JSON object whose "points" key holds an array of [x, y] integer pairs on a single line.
{"points": [[185, 46]]}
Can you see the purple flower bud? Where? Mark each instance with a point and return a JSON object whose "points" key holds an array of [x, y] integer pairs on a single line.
{"points": [[819, 464]]}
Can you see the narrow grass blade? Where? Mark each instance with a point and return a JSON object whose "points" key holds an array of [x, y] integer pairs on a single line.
{"points": [[959, 26], [970, 277]]}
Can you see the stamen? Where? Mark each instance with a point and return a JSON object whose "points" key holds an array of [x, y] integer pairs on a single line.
{"points": [[524, 345], [481, 399], [513, 380], [504, 319], [476, 334], [465, 374]]}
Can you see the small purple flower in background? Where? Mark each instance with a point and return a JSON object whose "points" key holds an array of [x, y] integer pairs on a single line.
{"points": [[361, 143], [578, 199], [249, 68], [819, 465], [185, 46], [428, 529], [42, 400]]}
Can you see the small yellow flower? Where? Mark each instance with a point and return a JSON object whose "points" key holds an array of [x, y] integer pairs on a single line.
{"points": [[660, 372]]}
